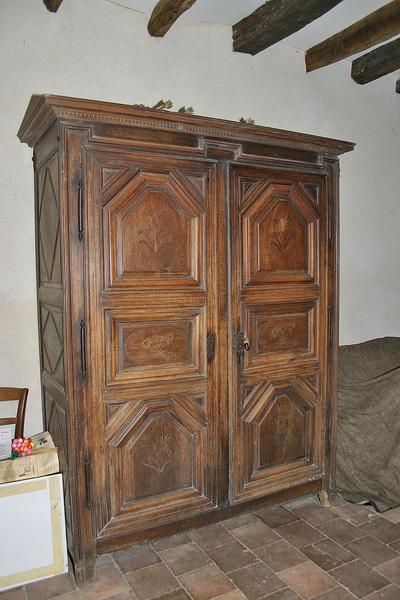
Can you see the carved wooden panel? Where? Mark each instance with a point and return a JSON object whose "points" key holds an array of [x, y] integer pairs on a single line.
{"points": [[279, 430], [48, 226], [278, 221], [158, 452], [154, 230], [279, 237], [152, 252], [56, 423], [280, 332], [51, 323], [149, 345]]}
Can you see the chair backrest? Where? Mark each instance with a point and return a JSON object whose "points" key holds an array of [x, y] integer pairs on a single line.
{"points": [[20, 394]]}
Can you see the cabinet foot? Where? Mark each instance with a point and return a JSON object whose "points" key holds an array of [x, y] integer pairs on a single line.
{"points": [[84, 572], [324, 498]]}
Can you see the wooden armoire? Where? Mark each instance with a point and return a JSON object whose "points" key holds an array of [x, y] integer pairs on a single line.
{"points": [[188, 316]]}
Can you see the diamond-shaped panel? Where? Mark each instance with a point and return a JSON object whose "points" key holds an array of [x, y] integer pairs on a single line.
{"points": [[52, 344], [49, 231]]}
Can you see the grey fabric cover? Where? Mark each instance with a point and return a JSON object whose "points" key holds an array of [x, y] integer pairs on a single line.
{"points": [[368, 440]]}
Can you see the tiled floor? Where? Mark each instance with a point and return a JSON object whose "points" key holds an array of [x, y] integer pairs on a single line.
{"points": [[295, 551]]}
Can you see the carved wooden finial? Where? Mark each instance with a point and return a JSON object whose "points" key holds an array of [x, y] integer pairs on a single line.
{"points": [[246, 121], [187, 110], [163, 105]]}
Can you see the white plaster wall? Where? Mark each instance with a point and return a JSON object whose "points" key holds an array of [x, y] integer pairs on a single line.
{"points": [[95, 49]]}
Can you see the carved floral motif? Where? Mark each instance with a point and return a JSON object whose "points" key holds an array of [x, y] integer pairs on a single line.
{"points": [[158, 344], [281, 236], [153, 234], [282, 333], [160, 453]]}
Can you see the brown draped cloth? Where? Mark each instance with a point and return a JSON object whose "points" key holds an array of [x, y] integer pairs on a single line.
{"points": [[368, 440]]}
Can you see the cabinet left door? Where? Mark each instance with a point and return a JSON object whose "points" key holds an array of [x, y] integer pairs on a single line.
{"points": [[153, 362]]}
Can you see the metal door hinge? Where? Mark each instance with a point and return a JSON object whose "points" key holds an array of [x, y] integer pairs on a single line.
{"points": [[80, 211], [330, 327], [211, 345], [330, 223], [83, 349], [88, 479]]}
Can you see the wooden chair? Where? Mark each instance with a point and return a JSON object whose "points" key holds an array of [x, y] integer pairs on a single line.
{"points": [[8, 394]]}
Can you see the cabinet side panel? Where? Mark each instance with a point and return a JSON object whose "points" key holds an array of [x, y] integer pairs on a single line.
{"points": [[50, 284]]}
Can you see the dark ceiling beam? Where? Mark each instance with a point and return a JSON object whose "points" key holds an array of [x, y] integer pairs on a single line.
{"points": [[274, 21], [378, 26], [377, 63], [52, 5], [164, 15]]}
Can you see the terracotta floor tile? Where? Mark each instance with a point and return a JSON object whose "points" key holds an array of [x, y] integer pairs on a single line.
{"points": [[108, 581], [104, 560], [392, 515], [308, 580], [71, 596], [341, 531], [180, 594], [326, 553], [276, 516], [208, 582], [232, 556], [315, 514], [256, 581], [300, 534], [356, 513], [47, 588], [170, 541], [359, 578], [391, 592], [239, 520], [323, 559], [382, 529], [301, 501], [395, 545], [18, 593], [337, 593], [280, 555], [283, 594], [255, 535], [152, 581], [135, 557], [371, 551], [211, 536], [185, 557], [233, 595], [391, 570], [120, 596]]}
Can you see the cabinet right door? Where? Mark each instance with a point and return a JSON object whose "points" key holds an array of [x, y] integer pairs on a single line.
{"points": [[280, 323]]}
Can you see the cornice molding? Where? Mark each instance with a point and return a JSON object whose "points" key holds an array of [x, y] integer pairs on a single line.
{"points": [[44, 110]]}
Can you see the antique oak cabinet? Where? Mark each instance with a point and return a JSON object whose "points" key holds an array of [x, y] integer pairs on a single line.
{"points": [[187, 301]]}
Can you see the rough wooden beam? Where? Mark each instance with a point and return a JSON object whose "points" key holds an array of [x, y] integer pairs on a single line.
{"points": [[380, 25], [52, 5], [164, 15], [274, 21], [377, 63]]}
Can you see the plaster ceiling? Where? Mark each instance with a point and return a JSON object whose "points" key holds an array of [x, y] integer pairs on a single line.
{"points": [[228, 12]]}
